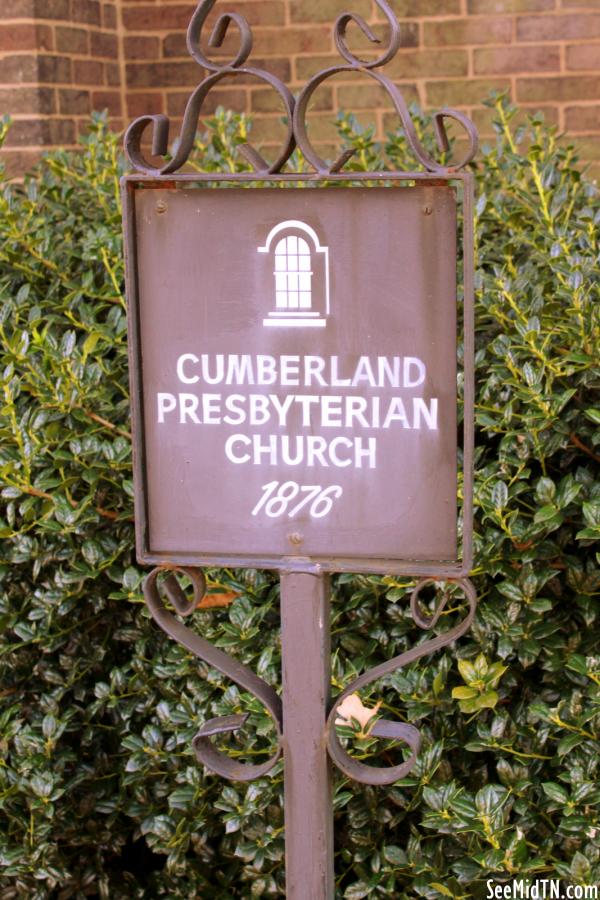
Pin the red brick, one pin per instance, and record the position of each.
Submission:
(88, 71)
(74, 102)
(506, 60)
(109, 15)
(275, 41)
(488, 30)
(112, 74)
(557, 28)
(351, 97)
(50, 9)
(362, 47)
(482, 7)
(161, 74)
(72, 40)
(267, 100)
(144, 104)
(140, 47)
(278, 67)
(581, 4)
(104, 45)
(307, 66)
(435, 63)
(177, 16)
(582, 118)
(560, 89)
(256, 12)
(18, 162)
(174, 45)
(325, 10)
(110, 100)
(363, 96)
(230, 99)
(464, 92)
(86, 11)
(25, 36)
(17, 9)
(414, 8)
(19, 69)
(262, 12)
(33, 132)
(17, 100)
(583, 56)
(54, 69)
(144, 18)
(270, 129)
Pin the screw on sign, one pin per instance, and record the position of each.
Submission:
(295, 406)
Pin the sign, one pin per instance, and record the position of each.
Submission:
(294, 376)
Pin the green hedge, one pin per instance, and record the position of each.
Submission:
(99, 789)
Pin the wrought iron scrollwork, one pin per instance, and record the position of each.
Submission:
(383, 728)
(204, 749)
(366, 67)
(223, 765)
(296, 111)
(160, 123)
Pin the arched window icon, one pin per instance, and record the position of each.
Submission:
(301, 276)
(293, 273)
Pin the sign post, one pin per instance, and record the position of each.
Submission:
(294, 373)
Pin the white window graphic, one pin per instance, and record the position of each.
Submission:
(301, 273)
(293, 273)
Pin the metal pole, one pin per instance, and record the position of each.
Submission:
(306, 671)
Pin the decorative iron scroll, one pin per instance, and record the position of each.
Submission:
(223, 765)
(296, 110)
(383, 728)
(205, 751)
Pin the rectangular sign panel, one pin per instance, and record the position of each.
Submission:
(294, 375)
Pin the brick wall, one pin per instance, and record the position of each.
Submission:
(60, 58)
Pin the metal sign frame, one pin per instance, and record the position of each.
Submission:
(299, 563)
(304, 716)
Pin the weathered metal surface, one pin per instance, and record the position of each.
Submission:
(306, 679)
(356, 417)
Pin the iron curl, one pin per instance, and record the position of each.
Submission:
(339, 36)
(185, 144)
(218, 71)
(217, 37)
(204, 749)
(367, 67)
(401, 107)
(399, 731)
